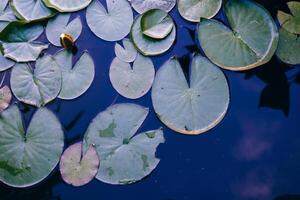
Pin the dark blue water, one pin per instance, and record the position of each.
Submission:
(254, 153)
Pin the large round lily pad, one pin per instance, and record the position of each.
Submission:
(290, 22)
(127, 52)
(125, 158)
(112, 24)
(75, 80)
(6, 14)
(250, 41)
(5, 98)
(194, 10)
(132, 82)
(78, 168)
(142, 6)
(190, 108)
(28, 157)
(36, 86)
(67, 5)
(59, 25)
(149, 46)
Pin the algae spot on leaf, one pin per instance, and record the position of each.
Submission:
(145, 162)
(4, 165)
(109, 131)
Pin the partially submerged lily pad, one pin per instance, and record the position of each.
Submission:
(75, 80)
(142, 6)
(156, 24)
(6, 14)
(112, 24)
(5, 98)
(61, 25)
(190, 108)
(290, 22)
(194, 10)
(36, 86)
(127, 53)
(132, 82)
(250, 41)
(78, 168)
(125, 158)
(28, 157)
(67, 5)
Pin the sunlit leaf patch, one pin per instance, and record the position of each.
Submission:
(142, 6)
(67, 5)
(290, 22)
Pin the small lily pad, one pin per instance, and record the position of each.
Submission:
(112, 24)
(6, 14)
(127, 53)
(5, 98)
(132, 82)
(59, 25)
(28, 157)
(75, 80)
(290, 22)
(149, 46)
(125, 157)
(142, 6)
(77, 169)
(67, 5)
(194, 10)
(156, 24)
(195, 107)
(5, 63)
(36, 86)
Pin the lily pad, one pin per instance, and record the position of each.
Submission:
(6, 14)
(112, 24)
(75, 80)
(36, 86)
(132, 82)
(149, 46)
(77, 169)
(67, 5)
(18, 43)
(5, 98)
(250, 41)
(194, 10)
(290, 22)
(142, 6)
(5, 63)
(288, 50)
(127, 53)
(190, 108)
(125, 157)
(28, 157)
(59, 25)
(31, 10)
(156, 24)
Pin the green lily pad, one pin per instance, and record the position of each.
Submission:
(17, 41)
(31, 10)
(59, 25)
(195, 107)
(194, 10)
(288, 50)
(250, 41)
(67, 5)
(75, 80)
(6, 14)
(156, 24)
(142, 6)
(125, 157)
(127, 53)
(5, 63)
(28, 157)
(132, 82)
(290, 22)
(112, 24)
(77, 168)
(150, 46)
(5, 98)
(36, 86)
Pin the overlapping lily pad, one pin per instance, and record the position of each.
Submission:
(59, 25)
(78, 168)
(6, 14)
(36, 86)
(67, 5)
(5, 63)
(132, 82)
(28, 157)
(142, 6)
(290, 22)
(112, 24)
(125, 157)
(75, 80)
(250, 41)
(195, 107)
(5, 97)
(194, 10)
(127, 53)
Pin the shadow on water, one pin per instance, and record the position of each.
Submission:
(288, 197)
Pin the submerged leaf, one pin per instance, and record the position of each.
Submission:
(290, 22)
(142, 6)
(67, 5)
(5, 98)
(127, 53)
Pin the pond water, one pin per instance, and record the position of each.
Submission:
(254, 153)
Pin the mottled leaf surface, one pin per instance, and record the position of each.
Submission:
(142, 6)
